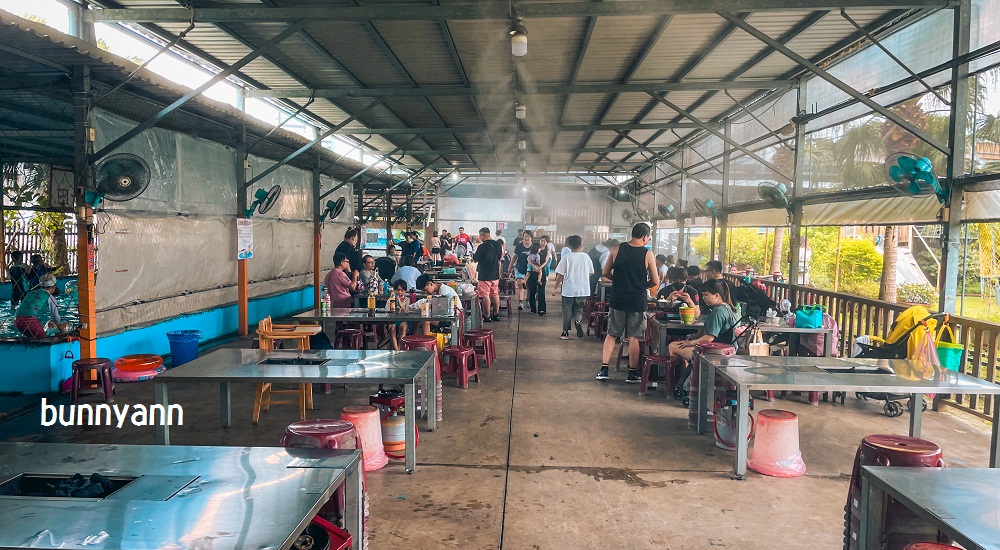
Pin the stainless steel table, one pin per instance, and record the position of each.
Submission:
(821, 374)
(474, 321)
(663, 326)
(358, 316)
(181, 497)
(227, 366)
(960, 502)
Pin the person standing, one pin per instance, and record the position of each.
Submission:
(632, 270)
(19, 278)
(573, 280)
(488, 288)
(435, 248)
(661, 268)
(418, 247)
(531, 277)
(462, 243)
(521, 252)
(406, 247)
(541, 272)
(349, 248)
(341, 281)
(407, 272)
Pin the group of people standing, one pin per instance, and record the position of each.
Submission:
(32, 297)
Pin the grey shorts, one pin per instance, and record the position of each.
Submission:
(631, 324)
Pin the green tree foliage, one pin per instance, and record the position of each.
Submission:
(860, 263)
(746, 246)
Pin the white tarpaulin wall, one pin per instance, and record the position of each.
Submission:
(173, 249)
(477, 210)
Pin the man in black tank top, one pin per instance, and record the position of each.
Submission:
(632, 269)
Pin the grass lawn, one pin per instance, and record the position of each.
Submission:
(976, 307)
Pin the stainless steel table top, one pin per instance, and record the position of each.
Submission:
(354, 315)
(698, 324)
(963, 500)
(186, 497)
(245, 365)
(806, 373)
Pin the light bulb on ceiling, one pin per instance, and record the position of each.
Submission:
(787, 129)
(621, 192)
(454, 176)
(522, 145)
(519, 42)
(525, 189)
(520, 111)
(522, 163)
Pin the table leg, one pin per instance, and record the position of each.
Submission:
(916, 414)
(662, 349)
(354, 515)
(828, 344)
(410, 426)
(454, 331)
(871, 516)
(995, 441)
(225, 404)
(706, 388)
(162, 429)
(431, 395)
(742, 439)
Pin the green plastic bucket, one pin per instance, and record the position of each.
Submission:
(950, 355)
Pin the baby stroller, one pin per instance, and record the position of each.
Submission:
(905, 334)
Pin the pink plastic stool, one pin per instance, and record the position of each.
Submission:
(103, 368)
(324, 434)
(776, 446)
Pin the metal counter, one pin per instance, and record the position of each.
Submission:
(807, 374)
(373, 367)
(960, 502)
(183, 497)
(356, 316)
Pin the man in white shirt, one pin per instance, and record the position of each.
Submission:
(573, 280)
(427, 283)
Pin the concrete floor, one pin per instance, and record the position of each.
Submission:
(539, 455)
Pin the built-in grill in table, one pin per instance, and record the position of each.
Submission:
(146, 497)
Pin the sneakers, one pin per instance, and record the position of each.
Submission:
(579, 330)
(564, 336)
(520, 307)
(487, 319)
(603, 375)
(495, 318)
(633, 377)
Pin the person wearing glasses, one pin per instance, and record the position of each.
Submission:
(632, 270)
(341, 281)
(371, 282)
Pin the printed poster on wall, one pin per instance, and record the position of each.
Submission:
(244, 238)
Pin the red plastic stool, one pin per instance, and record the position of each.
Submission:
(350, 338)
(928, 546)
(421, 341)
(324, 434)
(456, 364)
(669, 365)
(898, 522)
(505, 303)
(103, 368)
(473, 338)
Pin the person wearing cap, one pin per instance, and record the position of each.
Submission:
(38, 310)
(713, 270)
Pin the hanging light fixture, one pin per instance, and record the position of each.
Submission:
(522, 144)
(454, 176)
(522, 163)
(520, 111)
(788, 129)
(518, 39)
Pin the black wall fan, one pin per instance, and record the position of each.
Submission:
(333, 209)
(666, 211)
(119, 177)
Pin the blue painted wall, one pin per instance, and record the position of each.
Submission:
(40, 369)
(5, 286)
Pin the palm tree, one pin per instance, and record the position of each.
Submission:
(776, 246)
(860, 153)
(887, 288)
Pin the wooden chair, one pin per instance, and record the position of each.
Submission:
(268, 333)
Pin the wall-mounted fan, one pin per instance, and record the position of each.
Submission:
(666, 212)
(417, 219)
(373, 215)
(774, 194)
(400, 215)
(119, 177)
(263, 200)
(643, 214)
(627, 216)
(333, 209)
(913, 175)
(703, 207)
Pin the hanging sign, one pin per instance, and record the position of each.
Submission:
(501, 225)
(244, 238)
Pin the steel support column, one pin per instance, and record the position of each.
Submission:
(956, 160)
(681, 237)
(727, 154)
(150, 122)
(795, 235)
(242, 266)
(317, 236)
(87, 304)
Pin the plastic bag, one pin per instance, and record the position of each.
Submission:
(809, 316)
(757, 346)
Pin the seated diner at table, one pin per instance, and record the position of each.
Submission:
(719, 324)
(38, 310)
(339, 284)
(427, 283)
(400, 302)
(678, 293)
(407, 273)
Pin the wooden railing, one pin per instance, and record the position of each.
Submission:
(858, 316)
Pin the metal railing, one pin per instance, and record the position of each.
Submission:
(856, 316)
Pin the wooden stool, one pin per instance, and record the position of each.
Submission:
(268, 333)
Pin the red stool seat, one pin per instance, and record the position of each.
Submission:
(103, 368)
(505, 303)
(422, 341)
(350, 338)
(670, 366)
(460, 362)
(473, 338)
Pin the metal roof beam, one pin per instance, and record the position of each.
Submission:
(540, 89)
(150, 122)
(484, 11)
(484, 129)
(492, 151)
(836, 82)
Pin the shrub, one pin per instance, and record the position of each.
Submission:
(916, 293)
